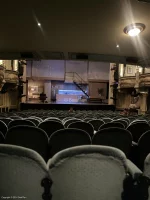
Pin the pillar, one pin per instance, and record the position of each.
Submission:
(143, 102)
(47, 90)
(111, 81)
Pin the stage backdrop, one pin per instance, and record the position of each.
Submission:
(80, 67)
(48, 69)
(98, 70)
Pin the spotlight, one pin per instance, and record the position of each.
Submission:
(134, 29)
(39, 24)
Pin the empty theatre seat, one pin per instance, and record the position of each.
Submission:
(53, 119)
(143, 192)
(22, 172)
(96, 123)
(70, 121)
(115, 137)
(29, 137)
(111, 124)
(6, 120)
(3, 128)
(18, 122)
(92, 172)
(137, 129)
(83, 126)
(88, 119)
(1, 138)
(34, 120)
(50, 126)
(122, 121)
(66, 138)
(107, 120)
(143, 148)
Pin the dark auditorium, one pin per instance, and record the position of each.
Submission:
(75, 100)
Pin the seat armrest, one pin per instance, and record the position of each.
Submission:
(134, 171)
(134, 143)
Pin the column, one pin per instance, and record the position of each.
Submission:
(23, 99)
(47, 90)
(111, 81)
(143, 102)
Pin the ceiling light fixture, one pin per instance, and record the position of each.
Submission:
(117, 45)
(134, 29)
(39, 24)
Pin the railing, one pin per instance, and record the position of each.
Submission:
(75, 77)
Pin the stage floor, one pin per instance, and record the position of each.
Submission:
(66, 106)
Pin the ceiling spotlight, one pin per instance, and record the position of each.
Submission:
(39, 24)
(117, 45)
(134, 29)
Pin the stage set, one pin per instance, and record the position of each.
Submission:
(72, 96)
(66, 106)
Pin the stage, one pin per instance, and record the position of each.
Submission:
(66, 106)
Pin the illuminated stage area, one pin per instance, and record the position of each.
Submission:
(66, 106)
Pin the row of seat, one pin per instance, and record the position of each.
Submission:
(85, 172)
(36, 139)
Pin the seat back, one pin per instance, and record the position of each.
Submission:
(22, 171)
(19, 122)
(106, 120)
(6, 120)
(96, 123)
(1, 138)
(29, 137)
(137, 129)
(88, 172)
(70, 121)
(34, 120)
(66, 138)
(122, 121)
(50, 126)
(83, 126)
(114, 137)
(112, 124)
(143, 148)
(3, 128)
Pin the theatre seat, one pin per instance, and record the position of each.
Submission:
(50, 126)
(111, 124)
(22, 172)
(19, 122)
(137, 129)
(83, 126)
(92, 172)
(96, 123)
(3, 128)
(114, 137)
(29, 137)
(143, 192)
(65, 138)
(1, 138)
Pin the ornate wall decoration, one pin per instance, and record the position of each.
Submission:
(11, 76)
(1, 76)
(127, 82)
